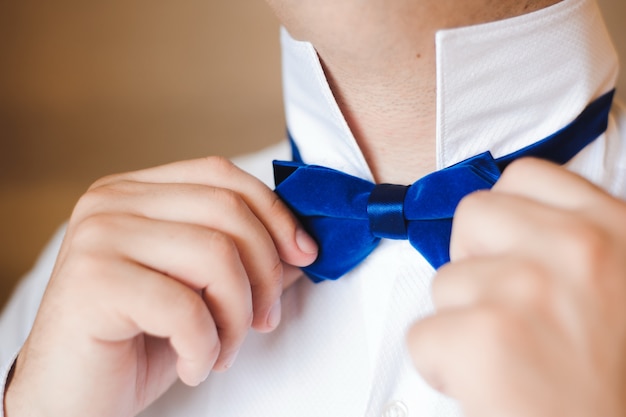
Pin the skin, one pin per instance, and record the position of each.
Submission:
(391, 106)
(161, 275)
(156, 270)
(531, 319)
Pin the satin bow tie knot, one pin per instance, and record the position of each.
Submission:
(348, 216)
(385, 209)
(391, 208)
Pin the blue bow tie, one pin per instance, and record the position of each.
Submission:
(348, 216)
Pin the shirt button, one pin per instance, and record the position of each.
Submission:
(396, 409)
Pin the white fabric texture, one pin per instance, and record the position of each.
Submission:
(340, 350)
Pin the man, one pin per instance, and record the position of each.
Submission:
(161, 272)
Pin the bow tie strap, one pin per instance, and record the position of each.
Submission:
(348, 216)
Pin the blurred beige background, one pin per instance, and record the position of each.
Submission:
(91, 88)
(88, 89)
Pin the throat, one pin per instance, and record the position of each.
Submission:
(400, 161)
(397, 141)
(393, 124)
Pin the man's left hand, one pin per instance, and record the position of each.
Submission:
(531, 312)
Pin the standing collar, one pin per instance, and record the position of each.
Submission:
(500, 86)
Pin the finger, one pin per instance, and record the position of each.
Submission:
(453, 350)
(215, 208)
(139, 300)
(487, 224)
(439, 347)
(548, 184)
(294, 245)
(508, 279)
(200, 258)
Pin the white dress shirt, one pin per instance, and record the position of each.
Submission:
(340, 350)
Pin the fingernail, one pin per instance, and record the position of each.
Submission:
(305, 242)
(273, 318)
(205, 376)
(231, 359)
(202, 378)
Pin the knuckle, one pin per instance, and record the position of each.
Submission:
(222, 246)
(276, 207)
(108, 179)
(587, 246)
(280, 219)
(495, 327)
(528, 280)
(196, 308)
(275, 274)
(514, 170)
(95, 198)
(219, 164)
(188, 308)
(519, 168)
(229, 198)
(87, 202)
(92, 229)
(472, 203)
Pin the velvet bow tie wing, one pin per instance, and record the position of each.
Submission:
(332, 207)
(430, 204)
(348, 216)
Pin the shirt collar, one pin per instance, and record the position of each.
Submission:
(500, 86)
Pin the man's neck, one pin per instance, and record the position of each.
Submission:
(387, 92)
(391, 117)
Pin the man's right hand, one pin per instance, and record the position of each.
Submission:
(161, 275)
